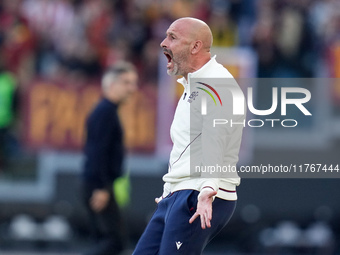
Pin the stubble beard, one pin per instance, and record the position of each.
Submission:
(178, 68)
(174, 70)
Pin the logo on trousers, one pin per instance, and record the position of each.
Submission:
(178, 244)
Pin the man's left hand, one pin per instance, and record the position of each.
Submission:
(204, 207)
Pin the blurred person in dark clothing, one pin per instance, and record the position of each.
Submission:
(104, 151)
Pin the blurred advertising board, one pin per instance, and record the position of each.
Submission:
(55, 115)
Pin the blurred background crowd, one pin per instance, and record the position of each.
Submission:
(73, 41)
(77, 39)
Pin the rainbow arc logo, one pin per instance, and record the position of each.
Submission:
(209, 93)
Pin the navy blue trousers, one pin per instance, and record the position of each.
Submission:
(169, 231)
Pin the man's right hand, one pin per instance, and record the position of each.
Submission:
(204, 207)
(99, 199)
(158, 199)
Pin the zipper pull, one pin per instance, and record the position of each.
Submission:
(185, 94)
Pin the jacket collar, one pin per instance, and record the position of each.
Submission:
(198, 73)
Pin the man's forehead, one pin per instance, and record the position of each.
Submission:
(171, 30)
(176, 28)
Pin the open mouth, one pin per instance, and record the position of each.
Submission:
(169, 57)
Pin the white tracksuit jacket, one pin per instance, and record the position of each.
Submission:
(197, 144)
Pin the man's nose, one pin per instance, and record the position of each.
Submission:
(163, 45)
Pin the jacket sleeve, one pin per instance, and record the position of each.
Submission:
(101, 131)
(221, 139)
(166, 189)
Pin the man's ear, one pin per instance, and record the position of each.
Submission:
(196, 47)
